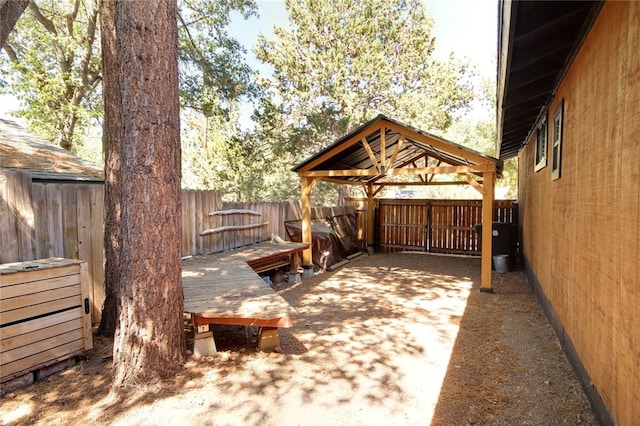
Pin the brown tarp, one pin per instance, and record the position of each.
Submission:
(332, 238)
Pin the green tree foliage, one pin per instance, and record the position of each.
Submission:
(216, 157)
(480, 135)
(53, 64)
(56, 71)
(213, 73)
(340, 63)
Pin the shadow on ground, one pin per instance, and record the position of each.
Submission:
(401, 339)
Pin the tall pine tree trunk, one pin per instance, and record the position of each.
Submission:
(111, 146)
(143, 188)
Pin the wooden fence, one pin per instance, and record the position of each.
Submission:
(42, 220)
(434, 226)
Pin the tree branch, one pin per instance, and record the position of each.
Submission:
(65, 67)
(45, 22)
(89, 40)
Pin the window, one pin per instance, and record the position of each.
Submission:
(541, 146)
(556, 149)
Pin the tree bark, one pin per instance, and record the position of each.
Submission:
(10, 11)
(140, 62)
(111, 147)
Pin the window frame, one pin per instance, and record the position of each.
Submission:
(542, 137)
(556, 141)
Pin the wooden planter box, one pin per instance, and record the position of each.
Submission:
(44, 314)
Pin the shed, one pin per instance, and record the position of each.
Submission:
(385, 152)
(21, 150)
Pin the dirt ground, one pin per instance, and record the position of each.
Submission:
(394, 339)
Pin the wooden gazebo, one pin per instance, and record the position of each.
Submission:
(384, 152)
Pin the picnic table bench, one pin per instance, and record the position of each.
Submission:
(225, 288)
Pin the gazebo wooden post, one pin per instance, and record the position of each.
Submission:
(487, 231)
(370, 218)
(307, 185)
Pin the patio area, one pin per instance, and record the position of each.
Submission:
(403, 339)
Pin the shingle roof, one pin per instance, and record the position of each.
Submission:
(348, 153)
(21, 150)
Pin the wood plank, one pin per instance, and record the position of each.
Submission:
(192, 229)
(8, 237)
(37, 336)
(39, 200)
(397, 150)
(70, 222)
(97, 253)
(232, 228)
(199, 219)
(25, 219)
(383, 148)
(224, 286)
(40, 309)
(30, 287)
(487, 238)
(43, 322)
(85, 291)
(26, 351)
(32, 300)
(185, 227)
(83, 214)
(42, 358)
(235, 211)
(284, 322)
(54, 220)
(370, 153)
(59, 268)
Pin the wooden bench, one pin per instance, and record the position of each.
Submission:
(225, 289)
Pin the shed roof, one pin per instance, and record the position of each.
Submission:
(21, 150)
(537, 42)
(350, 160)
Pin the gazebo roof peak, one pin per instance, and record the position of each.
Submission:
(382, 144)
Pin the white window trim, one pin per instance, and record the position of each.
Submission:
(542, 146)
(556, 141)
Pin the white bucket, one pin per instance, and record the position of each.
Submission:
(501, 263)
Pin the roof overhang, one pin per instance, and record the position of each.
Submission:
(383, 148)
(537, 41)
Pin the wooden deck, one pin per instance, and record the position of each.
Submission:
(224, 289)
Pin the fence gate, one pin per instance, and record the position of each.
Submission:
(435, 226)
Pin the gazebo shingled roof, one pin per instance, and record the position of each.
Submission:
(350, 153)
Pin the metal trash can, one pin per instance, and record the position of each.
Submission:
(501, 263)
(503, 243)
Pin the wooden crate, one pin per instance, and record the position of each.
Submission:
(44, 314)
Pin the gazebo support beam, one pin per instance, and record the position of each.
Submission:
(370, 217)
(487, 234)
(307, 185)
